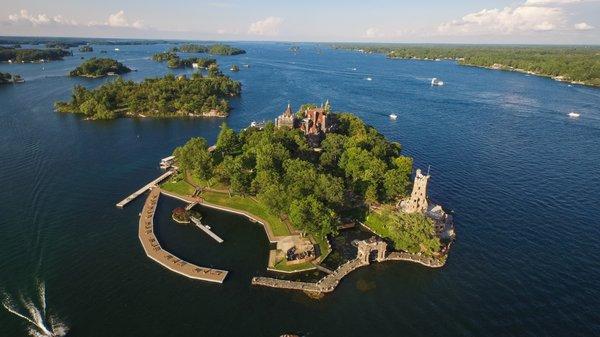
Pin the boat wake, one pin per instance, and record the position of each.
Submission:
(39, 322)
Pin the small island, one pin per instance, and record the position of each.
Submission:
(86, 49)
(215, 49)
(7, 78)
(174, 61)
(99, 67)
(168, 96)
(18, 55)
(306, 178)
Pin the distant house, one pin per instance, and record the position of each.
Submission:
(195, 65)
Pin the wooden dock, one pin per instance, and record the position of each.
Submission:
(206, 230)
(154, 250)
(139, 192)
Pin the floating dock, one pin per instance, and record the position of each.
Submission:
(154, 250)
(139, 192)
(206, 230)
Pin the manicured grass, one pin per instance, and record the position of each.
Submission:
(284, 266)
(377, 222)
(323, 247)
(178, 186)
(249, 205)
(205, 183)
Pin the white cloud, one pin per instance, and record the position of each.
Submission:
(120, 20)
(39, 19)
(583, 26)
(373, 32)
(268, 27)
(527, 17)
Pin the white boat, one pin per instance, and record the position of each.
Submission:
(116, 49)
(436, 82)
(368, 79)
(393, 116)
(574, 114)
(353, 69)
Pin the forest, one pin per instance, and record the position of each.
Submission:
(31, 55)
(355, 169)
(98, 67)
(569, 63)
(167, 96)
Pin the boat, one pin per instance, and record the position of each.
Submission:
(117, 49)
(368, 79)
(246, 66)
(574, 114)
(393, 116)
(436, 82)
(353, 69)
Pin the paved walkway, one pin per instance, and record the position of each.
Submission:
(154, 250)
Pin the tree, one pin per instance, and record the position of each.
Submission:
(227, 141)
(397, 179)
(311, 216)
(194, 157)
(333, 147)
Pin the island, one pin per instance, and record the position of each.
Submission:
(306, 178)
(99, 67)
(18, 55)
(574, 64)
(174, 61)
(215, 49)
(168, 96)
(86, 49)
(7, 78)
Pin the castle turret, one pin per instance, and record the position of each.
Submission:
(418, 197)
(287, 119)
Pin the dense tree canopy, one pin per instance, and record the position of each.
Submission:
(31, 55)
(154, 97)
(98, 67)
(355, 167)
(572, 63)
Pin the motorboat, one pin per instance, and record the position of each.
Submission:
(436, 82)
(393, 116)
(574, 114)
(368, 79)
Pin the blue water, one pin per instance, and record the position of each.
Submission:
(521, 177)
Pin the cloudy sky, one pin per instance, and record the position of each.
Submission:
(483, 21)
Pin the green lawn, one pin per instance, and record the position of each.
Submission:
(324, 247)
(250, 206)
(178, 186)
(205, 183)
(283, 266)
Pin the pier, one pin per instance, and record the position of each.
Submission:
(206, 230)
(139, 192)
(154, 250)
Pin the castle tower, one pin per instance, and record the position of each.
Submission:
(418, 197)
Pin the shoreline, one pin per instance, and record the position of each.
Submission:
(502, 67)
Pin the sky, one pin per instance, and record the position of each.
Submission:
(456, 21)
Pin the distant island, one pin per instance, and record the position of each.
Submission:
(62, 44)
(86, 49)
(99, 67)
(7, 78)
(215, 49)
(18, 55)
(313, 173)
(579, 65)
(174, 61)
(168, 96)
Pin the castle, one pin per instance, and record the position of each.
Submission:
(418, 197)
(314, 121)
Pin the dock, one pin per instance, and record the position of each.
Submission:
(139, 192)
(155, 251)
(206, 230)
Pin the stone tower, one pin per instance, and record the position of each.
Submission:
(418, 197)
